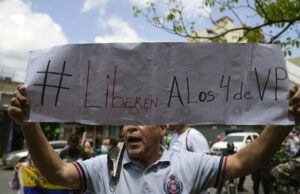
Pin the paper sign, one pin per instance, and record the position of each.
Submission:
(159, 83)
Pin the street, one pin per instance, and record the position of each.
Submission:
(5, 177)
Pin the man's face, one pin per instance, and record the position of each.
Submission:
(106, 142)
(142, 141)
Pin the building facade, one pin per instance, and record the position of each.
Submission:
(8, 130)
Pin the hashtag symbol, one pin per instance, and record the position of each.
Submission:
(59, 87)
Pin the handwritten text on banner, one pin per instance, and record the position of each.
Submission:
(159, 83)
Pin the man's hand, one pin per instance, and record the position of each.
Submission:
(44, 156)
(19, 105)
(294, 102)
(16, 168)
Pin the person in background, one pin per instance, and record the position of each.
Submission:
(219, 138)
(110, 142)
(87, 148)
(187, 138)
(73, 152)
(14, 184)
(241, 184)
(263, 176)
(48, 132)
(294, 144)
(57, 133)
(288, 173)
(295, 136)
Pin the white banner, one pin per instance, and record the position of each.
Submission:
(159, 83)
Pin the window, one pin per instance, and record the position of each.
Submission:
(58, 145)
(233, 138)
(248, 139)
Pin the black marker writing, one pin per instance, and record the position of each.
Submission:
(188, 91)
(225, 86)
(261, 94)
(178, 93)
(44, 85)
(277, 78)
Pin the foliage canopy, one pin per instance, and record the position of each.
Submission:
(272, 21)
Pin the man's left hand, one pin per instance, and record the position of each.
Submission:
(294, 102)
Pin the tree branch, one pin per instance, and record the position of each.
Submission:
(264, 12)
(281, 32)
(248, 29)
(236, 15)
(188, 33)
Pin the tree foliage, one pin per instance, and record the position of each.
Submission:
(272, 21)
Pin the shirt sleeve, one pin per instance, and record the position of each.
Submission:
(204, 171)
(91, 173)
(213, 168)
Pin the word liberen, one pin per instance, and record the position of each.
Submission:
(119, 101)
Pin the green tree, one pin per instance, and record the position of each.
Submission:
(276, 21)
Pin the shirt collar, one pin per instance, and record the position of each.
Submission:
(165, 158)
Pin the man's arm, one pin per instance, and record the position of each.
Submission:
(45, 158)
(263, 148)
(257, 153)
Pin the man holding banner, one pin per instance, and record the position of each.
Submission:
(146, 86)
(145, 166)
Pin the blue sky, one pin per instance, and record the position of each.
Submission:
(35, 24)
(82, 21)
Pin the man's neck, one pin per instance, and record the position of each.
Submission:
(150, 159)
(182, 130)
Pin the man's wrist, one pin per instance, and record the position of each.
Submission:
(28, 124)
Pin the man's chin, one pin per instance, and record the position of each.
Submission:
(135, 153)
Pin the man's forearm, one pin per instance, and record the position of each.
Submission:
(43, 155)
(259, 151)
(45, 158)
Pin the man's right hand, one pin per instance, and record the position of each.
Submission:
(19, 105)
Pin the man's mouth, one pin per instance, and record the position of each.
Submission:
(134, 140)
